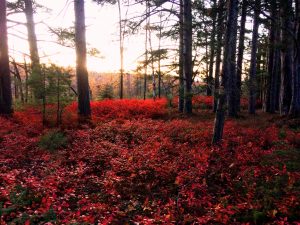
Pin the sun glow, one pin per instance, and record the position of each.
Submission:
(102, 33)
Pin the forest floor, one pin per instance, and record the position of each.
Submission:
(139, 162)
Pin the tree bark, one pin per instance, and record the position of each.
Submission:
(286, 13)
(187, 50)
(271, 56)
(295, 106)
(5, 80)
(26, 80)
(240, 54)
(212, 51)
(84, 108)
(159, 57)
(227, 71)
(18, 80)
(231, 77)
(181, 55)
(32, 40)
(253, 62)
(152, 63)
(146, 51)
(121, 51)
(220, 34)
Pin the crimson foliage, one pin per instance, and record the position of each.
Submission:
(132, 166)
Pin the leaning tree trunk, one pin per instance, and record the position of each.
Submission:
(253, 67)
(5, 80)
(295, 106)
(228, 67)
(240, 54)
(84, 108)
(187, 50)
(286, 14)
(220, 33)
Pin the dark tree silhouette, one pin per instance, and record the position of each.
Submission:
(84, 108)
(5, 82)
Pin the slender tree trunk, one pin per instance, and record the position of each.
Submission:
(181, 55)
(16, 86)
(19, 80)
(220, 34)
(26, 80)
(152, 64)
(277, 78)
(146, 51)
(228, 66)
(58, 117)
(286, 56)
(206, 57)
(44, 119)
(32, 40)
(241, 49)
(121, 51)
(188, 66)
(5, 80)
(212, 51)
(253, 62)
(295, 106)
(159, 57)
(84, 108)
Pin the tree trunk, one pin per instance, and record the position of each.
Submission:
(270, 106)
(5, 80)
(220, 33)
(26, 80)
(152, 63)
(295, 106)
(58, 106)
(146, 52)
(19, 80)
(212, 51)
(84, 108)
(240, 56)
(231, 77)
(286, 14)
(228, 67)
(181, 80)
(253, 66)
(187, 50)
(121, 50)
(159, 58)
(32, 40)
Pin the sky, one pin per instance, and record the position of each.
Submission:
(102, 33)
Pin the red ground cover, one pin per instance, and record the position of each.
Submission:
(136, 165)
